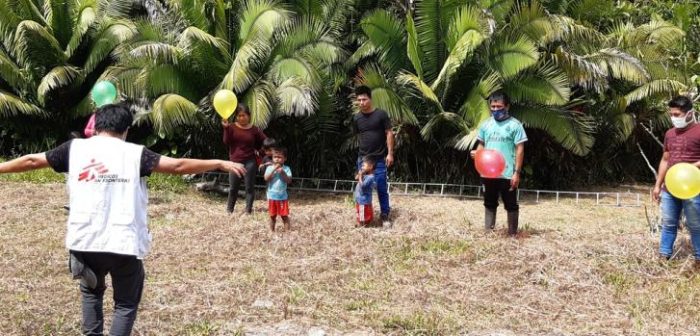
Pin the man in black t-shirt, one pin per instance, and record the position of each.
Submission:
(376, 138)
(95, 232)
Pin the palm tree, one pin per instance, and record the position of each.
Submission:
(51, 54)
(457, 54)
(277, 58)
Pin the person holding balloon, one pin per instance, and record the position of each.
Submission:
(243, 141)
(102, 93)
(678, 182)
(499, 160)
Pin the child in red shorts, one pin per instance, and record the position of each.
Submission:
(363, 192)
(277, 176)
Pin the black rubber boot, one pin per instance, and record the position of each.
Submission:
(513, 222)
(489, 219)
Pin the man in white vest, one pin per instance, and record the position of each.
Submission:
(107, 225)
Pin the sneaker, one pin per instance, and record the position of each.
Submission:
(81, 271)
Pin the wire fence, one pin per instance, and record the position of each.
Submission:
(603, 198)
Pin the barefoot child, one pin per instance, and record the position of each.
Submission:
(277, 176)
(363, 192)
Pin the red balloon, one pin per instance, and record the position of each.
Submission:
(489, 163)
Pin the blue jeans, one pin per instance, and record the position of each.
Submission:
(670, 216)
(382, 184)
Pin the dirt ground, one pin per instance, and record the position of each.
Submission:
(574, 269)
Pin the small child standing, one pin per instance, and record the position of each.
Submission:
(363, 192)
(277, 176)
(268, 145)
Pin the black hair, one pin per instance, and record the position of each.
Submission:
(242, 108)
(269, 143)
(363, 90)
(280, 150)
(500, 96)
(369, 160)
(115, 118)
(681, 102)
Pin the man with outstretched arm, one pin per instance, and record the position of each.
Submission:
(107, 225)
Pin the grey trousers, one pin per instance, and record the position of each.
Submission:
(127, 275)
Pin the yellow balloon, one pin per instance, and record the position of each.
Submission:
(683, 180)
(225, 103)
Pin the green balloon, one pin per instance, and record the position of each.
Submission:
(103, 93)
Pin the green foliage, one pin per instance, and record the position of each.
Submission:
(167, 182)
(588, 78)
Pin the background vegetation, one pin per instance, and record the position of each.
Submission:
(589, 77)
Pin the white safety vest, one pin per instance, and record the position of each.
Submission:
(108, 198)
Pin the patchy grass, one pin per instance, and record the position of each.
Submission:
(575, 269)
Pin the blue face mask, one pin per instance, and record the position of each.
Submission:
(500, 115)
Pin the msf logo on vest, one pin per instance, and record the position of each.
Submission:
(98, 172)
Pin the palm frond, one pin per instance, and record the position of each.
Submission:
(439, 121)
(657, 32)
(573, 33)
(193, 37)
(295, 97)
(460, 53)
(508, 58)
(466, 140)
(655, 88)
(11, 73)
(385, 96)
(110, 35)
(424, 91)
(261, 17)
(529, 18)
(11, 105)
(59, 18)
(8, 20)
(413, 50)
(36, 48)
(59, 77)
(242, 72)
(432, 23)
(580, 70)
(475, 108)
(127, 79)
(620, 65)
(85, 19)
(365, 50)
(116, 8)
(170, 112)
(157, 80)
(294, 67)
(157, 53)
(192, 11)
(29, 10)
(260, 99)
(388, 35)
(571, 131)
(545, 85)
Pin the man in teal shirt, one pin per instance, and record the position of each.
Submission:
(503, 133)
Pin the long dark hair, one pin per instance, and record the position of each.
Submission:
(241, 108)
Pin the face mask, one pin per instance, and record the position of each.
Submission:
(682, 122)
(500, 115)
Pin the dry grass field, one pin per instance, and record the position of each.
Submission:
(575, 269)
